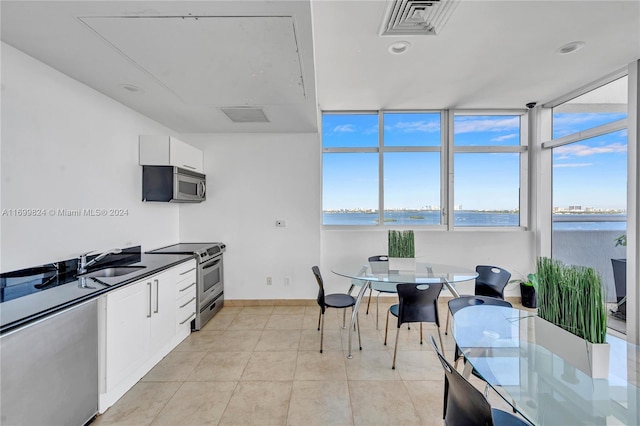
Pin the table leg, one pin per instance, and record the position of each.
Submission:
(354, 315)
(451, 288)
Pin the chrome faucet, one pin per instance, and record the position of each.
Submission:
(83, 265)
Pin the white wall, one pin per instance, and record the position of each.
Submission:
(66, 146)
(253, 180)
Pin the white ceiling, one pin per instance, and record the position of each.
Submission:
(293, 57)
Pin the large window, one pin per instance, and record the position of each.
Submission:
(487, 170)
(393, 168)
(589, 179)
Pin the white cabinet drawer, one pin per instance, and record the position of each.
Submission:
(184, 269)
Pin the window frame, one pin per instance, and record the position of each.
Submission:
(522, 149)
(447, 151)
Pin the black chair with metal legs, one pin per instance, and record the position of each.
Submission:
(335, 300)
(490, 282)
(379, 263)
(464, 405)
(418, 303)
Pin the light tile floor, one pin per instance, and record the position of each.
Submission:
(262, 366)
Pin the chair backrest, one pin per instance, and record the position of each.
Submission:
(379, 264)
(465, 404)
(465, 301)
(379, 258)
(491, 281)
(418, 303)
(320, 299)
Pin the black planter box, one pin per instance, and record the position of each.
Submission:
(529, 299)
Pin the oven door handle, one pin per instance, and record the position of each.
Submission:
(212, 265)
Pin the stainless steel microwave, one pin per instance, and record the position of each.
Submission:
(173, 184)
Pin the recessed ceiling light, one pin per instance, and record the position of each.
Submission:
(131, 88)
(570, 47)
(399, 47)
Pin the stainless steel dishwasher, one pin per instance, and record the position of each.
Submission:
(49, 369)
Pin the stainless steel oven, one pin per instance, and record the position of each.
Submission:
(209, 277)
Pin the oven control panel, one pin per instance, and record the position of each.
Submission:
(211, 252)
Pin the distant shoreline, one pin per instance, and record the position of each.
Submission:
(604, 212)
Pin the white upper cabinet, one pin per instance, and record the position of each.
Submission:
(169, 151)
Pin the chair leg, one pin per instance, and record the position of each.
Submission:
(440, 336)
(321, 333)
(444, 403)
(377, 307)
(386, 329)
(421, 334)
(446, 327)
(395, 350)
(319, 316)
(358, 325)
(369, 301)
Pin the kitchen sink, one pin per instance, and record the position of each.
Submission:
(115, 271)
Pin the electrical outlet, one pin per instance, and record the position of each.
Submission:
(287, 280)
(269, 280)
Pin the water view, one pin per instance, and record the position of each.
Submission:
(592, 222)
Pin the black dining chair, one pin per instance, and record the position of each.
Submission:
(379, 263)
(418, 303)
(335, 300)
(491, 282)
(464, 405)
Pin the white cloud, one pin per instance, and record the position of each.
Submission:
(579, 150)
(504, 137)
(473, 124)
(345, 128)
(415, 126)
(561, 165)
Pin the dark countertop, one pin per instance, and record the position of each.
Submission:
(18, 312)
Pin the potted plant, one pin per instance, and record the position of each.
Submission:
(401, 246)
(528, 291)
(620, 280)
(572, 315)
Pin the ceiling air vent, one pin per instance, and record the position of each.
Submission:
(245, 114)
(412, 17)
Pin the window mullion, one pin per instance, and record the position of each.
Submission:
(380, 168)
(448, 183)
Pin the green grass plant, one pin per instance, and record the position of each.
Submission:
(401, 244)
(571, 297)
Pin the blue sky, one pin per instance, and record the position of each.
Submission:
(590, 173)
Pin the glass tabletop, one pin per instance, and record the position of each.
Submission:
(420, 272)
(500, 343)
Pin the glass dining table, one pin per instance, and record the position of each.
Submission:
(385, 279)
(502, 346)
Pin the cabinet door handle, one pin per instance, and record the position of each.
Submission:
(157, 295)
(189, 167)
(149, 314)
(192, 299)
(188, 287)
(186, 272)
(190, 316)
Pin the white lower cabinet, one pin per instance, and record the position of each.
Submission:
(138, 327)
